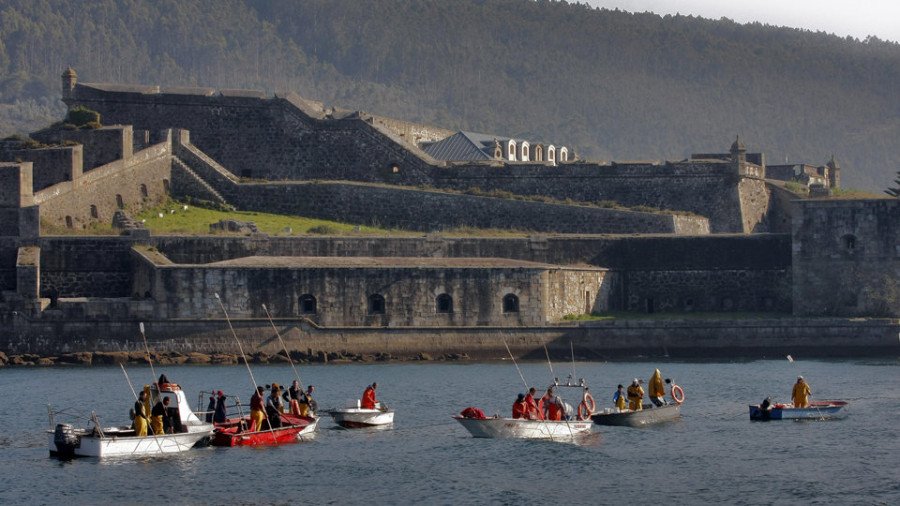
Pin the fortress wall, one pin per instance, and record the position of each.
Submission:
(104, 145)
(138, 182)
(342, 293)
(754, 200)
(846, 257)
(50, 165)
(705, 188)
(9, 250)
(427, 210)
(276, 140)
(86, 267)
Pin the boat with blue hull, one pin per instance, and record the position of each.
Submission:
(819, 410)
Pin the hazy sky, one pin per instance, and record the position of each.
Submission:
(856, 18)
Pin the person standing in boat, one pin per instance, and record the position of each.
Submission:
(307, 403)
(635, 396)
(368, 398)
(140, 416)
(553, 405)
(257, 409)
(211, 409)
(520, 407)
(274, 407)
(293, 395)
(221, 411)
(533, 413)
(621, 398)
(800, 394)
(159, 417)
(657, 390)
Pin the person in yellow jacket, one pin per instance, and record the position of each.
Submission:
(657, 390)
(800, 394)
(635, 396)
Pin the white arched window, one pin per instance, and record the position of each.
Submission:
(539, 153)
(563, 154)
(551, 154)
(524, 151)
(511, 150)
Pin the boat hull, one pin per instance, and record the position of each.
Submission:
(354, 418)
(640, 418)
(121, 442)
(818, 410)
(294, 427)
(520, 428)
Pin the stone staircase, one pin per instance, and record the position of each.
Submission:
(186, 182)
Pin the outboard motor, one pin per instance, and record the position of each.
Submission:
(65, 440)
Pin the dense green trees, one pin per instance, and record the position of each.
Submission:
(612, 85)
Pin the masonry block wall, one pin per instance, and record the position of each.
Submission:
(276, 140)
(142, 180)
(846, 257)
(50, 165)
(104, 145)
(86, 267)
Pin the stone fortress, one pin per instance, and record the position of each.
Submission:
(730, 238)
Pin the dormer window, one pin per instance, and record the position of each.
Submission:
(524, 151)
(511, 150)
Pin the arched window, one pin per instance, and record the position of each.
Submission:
(510, 303)
(119, 202)
(443, 303)
(376, 304)
(564, 154)
(524, 151)
(849, 242)
(511, 150)
(551, 154)
(307, 304)
(539, 153)
(69, 222)
(166, 186)
(94, 213)
(144, 191)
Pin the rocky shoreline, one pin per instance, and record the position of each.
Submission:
(175, 358)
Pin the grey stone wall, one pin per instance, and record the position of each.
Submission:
(104, 145)
(49, 165)
(275, 139)
(142, 180)
(846, 257)
(86, 267)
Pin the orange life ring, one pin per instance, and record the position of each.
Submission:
(677, 394)
(586, 407)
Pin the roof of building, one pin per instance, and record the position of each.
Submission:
(463, 146)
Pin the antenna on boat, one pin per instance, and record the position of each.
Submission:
(283, 346)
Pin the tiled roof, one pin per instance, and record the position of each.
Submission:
(463, 146)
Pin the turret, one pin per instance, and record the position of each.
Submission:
(69, 78)
(834, 173)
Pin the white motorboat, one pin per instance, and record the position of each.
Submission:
(356, 417)
(523, 428)
(68, 441)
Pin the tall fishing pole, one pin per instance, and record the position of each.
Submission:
(283, 346)
(147, 349)
(514, 363)
(244, 357)
(158, 444)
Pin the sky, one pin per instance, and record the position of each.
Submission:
(856, 18)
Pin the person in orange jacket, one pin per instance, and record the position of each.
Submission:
(368, 398)
(533, 412)
(520, 407)
(553, 405)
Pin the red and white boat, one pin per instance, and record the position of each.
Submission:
(235, 431)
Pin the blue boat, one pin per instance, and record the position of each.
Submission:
(819, 410)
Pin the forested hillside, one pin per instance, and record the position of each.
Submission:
(612, 85)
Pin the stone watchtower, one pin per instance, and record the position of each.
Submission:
(738, 156)
(834, 173)
(69, 78)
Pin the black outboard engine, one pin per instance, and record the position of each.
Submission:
(65, 440)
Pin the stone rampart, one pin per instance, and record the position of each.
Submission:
(102, 146)
(49, 165)
(846, 257)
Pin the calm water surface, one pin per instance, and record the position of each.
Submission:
(714, 454)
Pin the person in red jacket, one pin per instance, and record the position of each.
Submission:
(368, 398)
(520, 408)
(533, 412)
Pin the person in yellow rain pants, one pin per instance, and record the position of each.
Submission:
(157, 415)
(621, 399)
(657, 390)
(800, 394)
(257, 410)
(635, 396)
(140, 416)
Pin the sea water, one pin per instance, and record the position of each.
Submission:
(714, 454)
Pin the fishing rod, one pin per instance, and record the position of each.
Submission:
(147, 349)
(243, 356)
(147, 421)
(283, 346)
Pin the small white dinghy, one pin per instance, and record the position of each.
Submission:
(354, 417)
(523, 428)
(68, 441)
